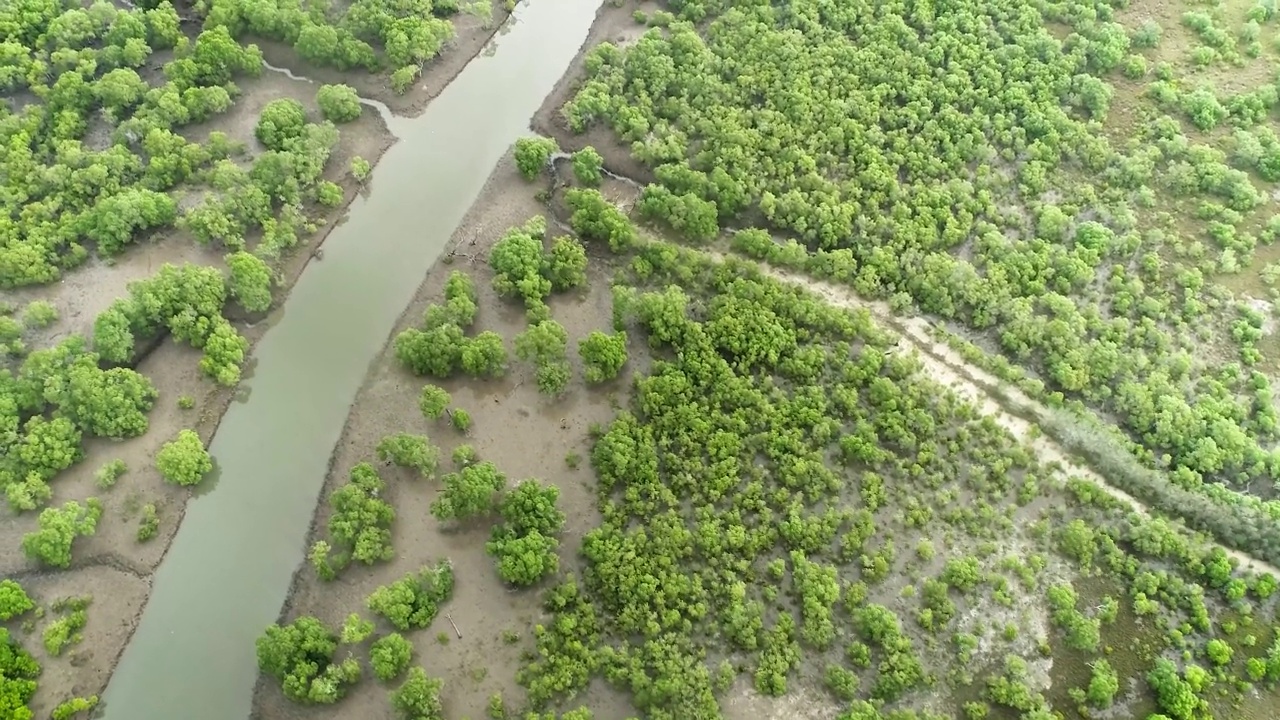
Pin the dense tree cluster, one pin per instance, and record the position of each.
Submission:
(58, 396)
(972, 126)
(370, 34)
(469, 493)
(185, 302)
(58, 530)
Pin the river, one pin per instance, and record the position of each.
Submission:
(227, 573)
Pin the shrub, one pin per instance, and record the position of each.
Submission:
(533, 154)
(390, 655)
(339, 103)
(184, 461)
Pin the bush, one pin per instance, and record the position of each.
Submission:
(13, 600)
(39, 314)
(184, 461)
(250, 281)
(603, 355)
(339, 103)
(300, 656)
(533, 154)
(361, 521)
(419, 697)
(587, 165)
(412, 451)
(390, 655)
(58, 529)
(470, 492)
(413, 601)
(281, 120)
(524, 559)
(433, 401)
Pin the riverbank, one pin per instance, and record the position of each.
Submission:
(112, 566)
(522, 432)
(615, 24)
(472, 35)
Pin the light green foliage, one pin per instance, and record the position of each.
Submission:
(14, 601)
(1103, 684)
(603, 355)
(566, 265)
(1218, 652)
(18, 673)
(281, 121)
(329, 194)
(183, 460)
(413, 601)
(542, 342)
(418, 698)
(64, 630)
(68, 709)
(411, 451)
(404, 78)
(595, 218)
(58, 529)
(525, 559)
(470, 492)
(517, 262)
(39, 314)
(300, 656)
(525, 545)
(149, 523)
(390, 655)
(360, 526)
(339, 103)
(441, 347)
(545, 344)
(587, 165)
(355, 630)
(532, 155)
(360, 169)
(461, 420)
(433, 401)
(250, 281)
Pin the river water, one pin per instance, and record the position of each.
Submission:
(226, 576)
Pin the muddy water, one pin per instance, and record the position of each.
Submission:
(227, 573)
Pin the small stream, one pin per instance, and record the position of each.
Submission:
(227, 573)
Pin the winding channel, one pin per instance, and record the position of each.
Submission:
(227, 573)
